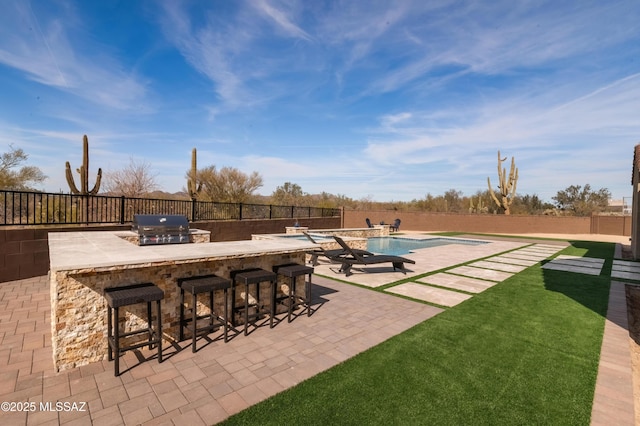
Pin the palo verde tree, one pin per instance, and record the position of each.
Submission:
(506, 185)
(289, 194)
(228, 185)
(582, 201)
(22, 178)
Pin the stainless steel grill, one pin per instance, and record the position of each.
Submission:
(161, 229)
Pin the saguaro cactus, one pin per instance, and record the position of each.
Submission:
(193, 186)
(507, 185)
(476, 208)
(84, 173)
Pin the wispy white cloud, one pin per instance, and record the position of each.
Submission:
(44, 48)
(452, 40)
(557, 144)
(232, 53)
(519, 121)
(30, 48)
(360, 27)
(280, 18)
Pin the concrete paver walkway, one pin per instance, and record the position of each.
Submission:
(482, 273)
(613, 402)
(435, 295)
(427, 260)
(625, 269)
(457, 282)
(474, 277)
(498, 266)
(581, 265)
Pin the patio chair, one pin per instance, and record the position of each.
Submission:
(353, 258)
(329, 254)
(368, 223)
(396, 226)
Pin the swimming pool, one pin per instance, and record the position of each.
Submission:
(400, 246)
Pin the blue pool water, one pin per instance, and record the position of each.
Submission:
(393, 245)
(400, 246)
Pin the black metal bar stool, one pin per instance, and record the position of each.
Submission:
(249, 277)
(195, 286)
(118, 297)
(292, 271)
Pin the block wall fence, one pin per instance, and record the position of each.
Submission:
(24, 252)
(489, 224)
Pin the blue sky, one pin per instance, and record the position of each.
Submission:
(384, 99)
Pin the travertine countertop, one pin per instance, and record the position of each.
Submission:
(105, 249)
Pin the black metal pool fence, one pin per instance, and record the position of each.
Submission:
(41, 208)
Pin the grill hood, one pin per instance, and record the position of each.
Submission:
(161, 229)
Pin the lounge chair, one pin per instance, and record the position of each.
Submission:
(396, 226)
(353, 258)
(330, 254)
(368, 223)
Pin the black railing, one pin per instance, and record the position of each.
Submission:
(41, 208)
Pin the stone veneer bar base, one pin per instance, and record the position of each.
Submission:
(78, 311)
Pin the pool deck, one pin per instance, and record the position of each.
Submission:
(427, 260)
(223, 379)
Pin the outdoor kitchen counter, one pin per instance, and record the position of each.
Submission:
(83, 264)
(100, 250)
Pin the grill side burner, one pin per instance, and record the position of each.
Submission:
(153, 229)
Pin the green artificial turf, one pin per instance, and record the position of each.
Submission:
(523, 352)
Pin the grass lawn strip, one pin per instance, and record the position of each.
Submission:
(522, 352)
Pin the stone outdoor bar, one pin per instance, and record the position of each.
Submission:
(83, 264)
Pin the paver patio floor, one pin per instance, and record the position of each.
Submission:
(202, 388)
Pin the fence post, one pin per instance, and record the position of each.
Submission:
(292, 211)
(85, 213)
(240, 211)
(193, 209)
(122, 201)
(270, 211)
